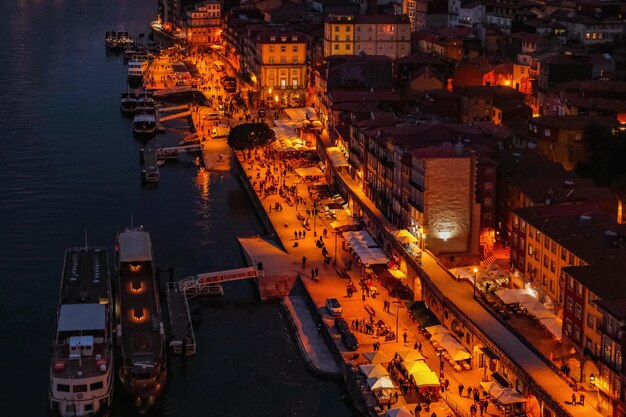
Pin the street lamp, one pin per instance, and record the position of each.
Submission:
(475, 278)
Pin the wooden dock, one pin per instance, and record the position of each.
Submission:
(183, 338)
(150, 165)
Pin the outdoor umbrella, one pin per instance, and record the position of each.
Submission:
(492, 388)
(410, 355)
(373, 371)
(510, 396)
(514, 296)
(446, 339)
(401, 411)
(538, 310)
(460, 354)
(434, 330)
(376, 357)
(554, 326)
(382, 383)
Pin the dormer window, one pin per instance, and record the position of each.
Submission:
(294, 38)
(273, 38)
(283, 39)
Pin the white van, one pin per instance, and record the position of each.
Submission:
(220, 132)
(213, 115)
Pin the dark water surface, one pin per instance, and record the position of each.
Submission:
(69, 162)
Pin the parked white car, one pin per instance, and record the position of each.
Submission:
(334, 307)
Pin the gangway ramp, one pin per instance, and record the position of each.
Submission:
(174, 116)
(209, 282)
(183, 338)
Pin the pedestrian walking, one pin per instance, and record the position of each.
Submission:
(404, 336)
(461, 387)
(582, 399)
(325, 232)
(573, 398)
(469, 392)
(295, 235)
(419, 347)
(303, 262)
(415, 345)
(304, 234)
(313, 274)
(317, 273)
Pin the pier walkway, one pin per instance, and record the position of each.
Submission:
(183, 338)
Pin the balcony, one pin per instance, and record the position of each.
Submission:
(418, 186)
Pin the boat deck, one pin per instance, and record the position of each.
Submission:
(84, 311)
(183, 337)
(140, 314)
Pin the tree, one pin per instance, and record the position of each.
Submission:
(250, 135)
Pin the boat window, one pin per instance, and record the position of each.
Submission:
(80, 388)
(63, 388)
(88, 407)
(95, 386)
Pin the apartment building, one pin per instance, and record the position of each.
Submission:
(388, 35)
(594, 313)
(204, 24)
(279, 66)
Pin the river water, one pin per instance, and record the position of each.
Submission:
(69, 163)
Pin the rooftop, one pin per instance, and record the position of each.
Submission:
(571, 122)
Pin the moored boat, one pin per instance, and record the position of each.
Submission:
(144, 124)
(136, 69)
(128, 103)
(81, 376)
(140, 328)
(110, 40)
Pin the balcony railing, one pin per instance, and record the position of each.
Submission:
(417, 185)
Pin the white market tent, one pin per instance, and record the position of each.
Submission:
(379, 384)
(410, 355)
(336, 157)
(401, 411)
(309, 172)
(460, 354)
(362, 236)
(515, 296)
(373, 370)
(426, 379)
(366, 248)
(376, 357)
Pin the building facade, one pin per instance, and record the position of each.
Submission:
(388, 35)
(204, 24)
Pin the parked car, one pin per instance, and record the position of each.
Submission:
(333, 306)
(349, 341)
(341, 325)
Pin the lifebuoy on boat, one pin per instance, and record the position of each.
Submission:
(79, 396)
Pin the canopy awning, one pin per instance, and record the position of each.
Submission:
(490, 353)
(396, 273)
(426, 379)
(309, 172)
(336, 157)
(410, 355)
(81, 317)
(438, 329)
(416, 367)
(401, 411)
(404, 236)
(376, 357)
(382, 383)
(554, 326)
(514, 296)
(347, 221)
(510, 396)
(134, 246)
(373, 370)
(492, 388)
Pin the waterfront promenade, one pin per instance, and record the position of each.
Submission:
(330, 284)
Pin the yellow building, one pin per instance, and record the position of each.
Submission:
(279, 68)
(388, 35)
